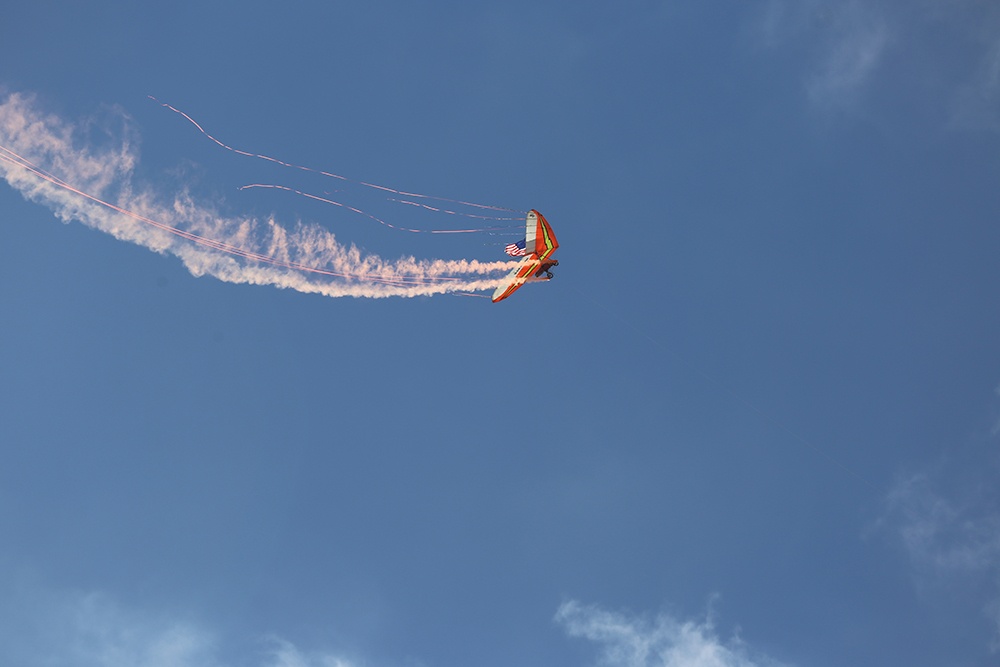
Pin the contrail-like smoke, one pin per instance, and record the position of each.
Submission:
(46, 159)
(374, 186)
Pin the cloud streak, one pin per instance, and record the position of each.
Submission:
(846, 42)
(947, 520)
(39, 627)
(49, 161)
(91, 630)
(286, 654)
(976, 102)
(941, 534)
(630, 641)
(945, 53)
(858, 42)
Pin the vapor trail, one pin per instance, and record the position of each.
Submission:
(352, 209)
(96, 187)
(374, 186)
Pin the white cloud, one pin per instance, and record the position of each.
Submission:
(947, 521)
(41, 629)
(977, 101)
(942, 534)
(104, 636)
(857, 42)
(51, 162)
(946, 52)
(287, 655)
(664, 641)
(780, 19)
(993, 613)
(842, 43)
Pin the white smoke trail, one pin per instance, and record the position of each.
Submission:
(48, 161)
(374, 186)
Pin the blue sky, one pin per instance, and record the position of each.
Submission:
(753, 421)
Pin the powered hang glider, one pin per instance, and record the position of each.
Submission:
(539, 244)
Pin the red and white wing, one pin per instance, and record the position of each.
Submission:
(526, 269)
(540, 238)
(540, 242)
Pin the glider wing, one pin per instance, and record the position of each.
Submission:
(540, 236)
(526, 269)
(540, 242)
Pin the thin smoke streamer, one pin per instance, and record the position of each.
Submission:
(374, 186)
(352, 209)
(358, 211)
(48, 161)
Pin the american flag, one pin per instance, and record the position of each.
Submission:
(516, 249)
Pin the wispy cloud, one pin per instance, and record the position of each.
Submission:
(103, 635)
(945, 535)
(51, 162)
(857, 39)
(947, 520)
(91, 630)
(843, 44)
(39, 627)
(663, 641)
(285, 654)
(779, 20)
(948, 53)
(978, 99)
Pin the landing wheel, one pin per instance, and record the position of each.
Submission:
(548, 274)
